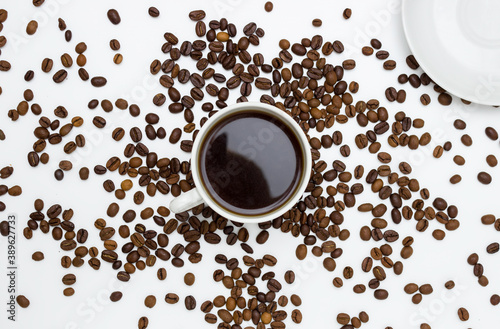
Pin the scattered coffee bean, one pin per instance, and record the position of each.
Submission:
(171, 298)
(463, 314)
(116, 296)
(449, 285)
(455, 179)
(38, 256)
(143, 323)
(32, 27)
(98, 81)
(114, 16)
(459, 124)
(492, 248)
(412, 62)
(60, 76)
(4, 228)
(484, 178)
(197, 15)
(466, 140)
(444, 99)
(268, 6)
(491, 133)
(22, 301)
(114, 44)
(153, 12)
(317, 22)
(150, 301)
(190, 303)
(491, 160)
(347, 13)
(189, 279)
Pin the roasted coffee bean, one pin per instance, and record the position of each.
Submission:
(438, 151)
(22, 301)
(5, 66)
(381, 294)
(459, 124)
(412, 62)
(114, 16)
(190, 303)
(38, 256)
(403, 78)
(484, 178)
(317, 22)
(189, 279)
(389, 65)
(296, 318)
(375, 43)
(99, 122)
(444, 99)
(455, 179)
(32, 27)
(301, 252)
(81, 60)
(117, 58)
(491, 133)
(466, 140)
(14, 190)
(69, 279)
(60, 76)
(153, 12)
(66, 60)
(116, 296)
(150, 301)
(414, 81)
(382, 55)
(3, 15)
(492, 248)
(98, 81)
(33, 159)
(473, 259)
(425, 289)
(114, 44)
(491, 160)
(495, 300)
(197, 15)
(84, 75)
(347, 13)
(4, 228)
(143, 322)
(84, 173)
(463, 314)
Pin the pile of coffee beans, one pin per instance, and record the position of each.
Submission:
(304, 81)
(259, 307)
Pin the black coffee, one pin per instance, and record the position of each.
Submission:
(251, 163)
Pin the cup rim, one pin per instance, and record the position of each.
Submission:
(228, 111)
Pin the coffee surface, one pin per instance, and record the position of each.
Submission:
(251, 163)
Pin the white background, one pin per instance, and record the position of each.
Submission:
(141, 38)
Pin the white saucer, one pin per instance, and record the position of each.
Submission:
(457, 43)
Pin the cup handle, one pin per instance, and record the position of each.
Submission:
(186, 201)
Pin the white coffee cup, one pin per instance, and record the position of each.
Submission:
(200, 194)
